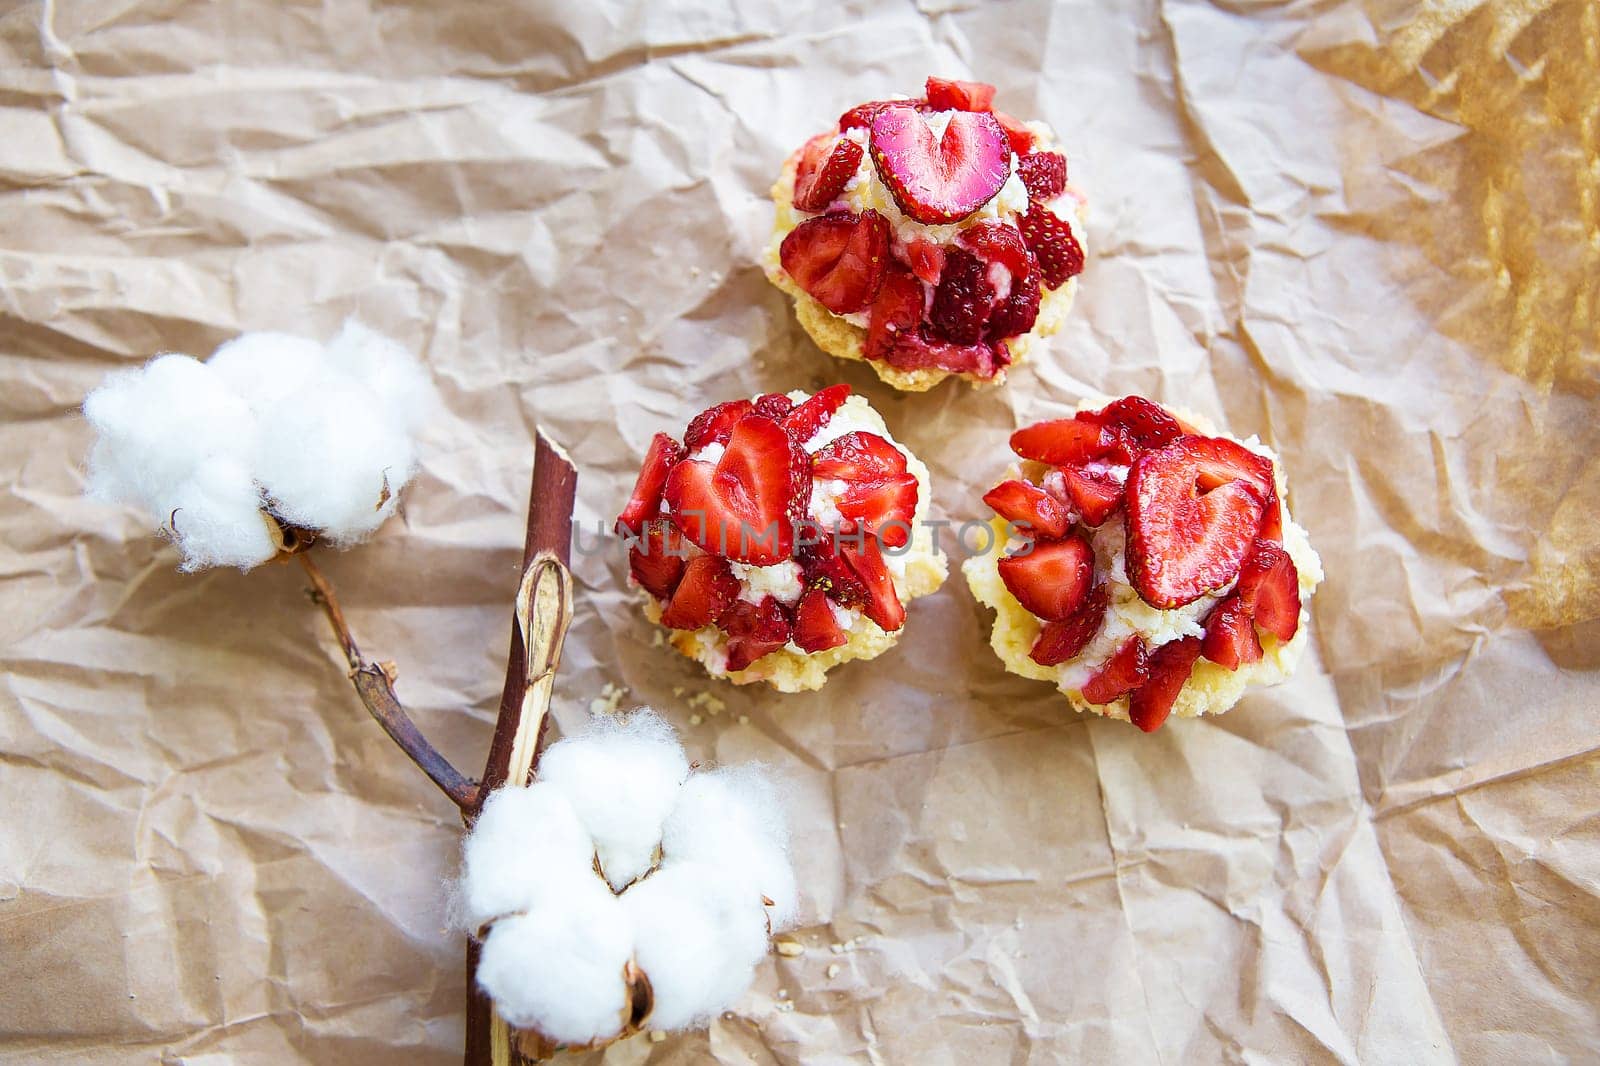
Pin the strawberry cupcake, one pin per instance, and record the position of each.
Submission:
(1145, 565)
(782, 537)
(934, 237)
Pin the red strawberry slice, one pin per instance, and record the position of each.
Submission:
(715, 424)
(999, 242)
(826, 571)
(926, 260)
(1094, 494)
(839, 258)
(1052, 579)
(1230, 638)
(657, 560)
(883, 508)
(946, 95)
(1044, 174)
(1125, 671)
(645, 503)
(858, 456)
(1272, 519)
(754, 630)
(774, 405)
(1148, 423)
(704, 593)
(1269, 588)
(861, 116)
(896, 313)
(1052, 243)
(1016, 314)
(804, 421)
(826, 165)
(963, 300)
(882, 601)
(1029, 505)
(918, 351)
(1194, 507)
(815, 627)
(1063, 442)
(1169, 666)
(742, 506)
(1064, 638)
(1018, 137)
(944, 180)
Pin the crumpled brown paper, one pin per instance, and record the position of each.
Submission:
(1368, 233)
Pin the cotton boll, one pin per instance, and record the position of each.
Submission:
(622, 778)
(524, 851)
(559, 970)
(216, 518)
(394, 376)
(697, 938)
(731, 819)
(262, 368)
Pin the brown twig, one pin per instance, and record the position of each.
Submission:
(375, 686)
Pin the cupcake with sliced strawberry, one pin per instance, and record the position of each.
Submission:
(784, 535)
(1145, 565)
(933, 237)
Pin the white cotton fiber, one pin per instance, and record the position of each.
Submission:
(264, 367)
(731, 820)
(622, 778)
(393, 377)
(524, 852)
(559, 970)
(697, 938)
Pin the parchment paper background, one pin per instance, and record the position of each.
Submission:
(1368, 232)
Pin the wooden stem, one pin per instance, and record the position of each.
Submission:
(374, 683)
(543, 613)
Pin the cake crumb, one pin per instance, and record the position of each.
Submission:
(788, 947)
(657, 1036)
(695, 719)
(744, 719)
(708, 702)
(783, 993)
(833, 970)
(608, 701)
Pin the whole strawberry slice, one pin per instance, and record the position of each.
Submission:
(1194, 507)
(883, 508)
(896, 312)
(838, 258)
(645, 503)
(944, 95)
(715, 425)
(1043, 174)
(1064, 638)
(1125, 671)
(754, 630)
(883, 602)
(805, 420)
(815, 627)
(1169, 667)
(943, 180)
(1095, 495)
(1230, 638)
(705, 591)
(858, 456)
(1269, 588)
(657, 560)
(1148, 423)
(1063, 442)
(1030, 506)
(826, 165)
(741, 506)
(1052, 243)
(1053, 579)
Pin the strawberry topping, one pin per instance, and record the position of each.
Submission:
(1230, 638)
(1052, 579)
(826, 166)
(704, 593)
(839, 258)
(1018, 137)
(879, 496)
(998, 242)
(1269, 588)
(1044, 174)
(656, 561)
(963, 300)
(715, 425)
(1064, 638)
(741, 506)
(1094, 494)
(946, 95)
(828, 572)
(1125, 671)
(1052, 243)
(944, 180)
(645, 503)
(1147, 423)
(1030, 506)
(1016, 314)
(1169, 667)
(861, 116)
(774, 405)
(858, 456)
(882, 603)
(1194, 507)
(917, 351)
(815, 627)
(926, 260)
(1063, 441)
(754, 630)
(804, 421)
(896, 313)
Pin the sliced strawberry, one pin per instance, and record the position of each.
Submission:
(1052, 579)
(1064, 638)
(926, 260)
(946, 95)
(1125, 671)
(754, 630)
(1016, 314)
(858, 456)
(1194, 507)
(861, 116)
(1063, 442)
(1029, 505)
(1044, 174)
(963, 300)
(1269, 588)
(645, 503)
(715, 424)
(657, 561)
(1052, 243)
(1018, 137)
(742, 506)
(1094, 494)
(1272, 519)
(839, 258)
(1230, 638)
(883, 508)
(883, 602)
(815, 627)
(896, 313)
(999, 242)
(1169, 666)
(919, 351)
(826, 165)
(826, 571)
(774, 405)
(804, 421)
(705, 590)
(944, 180)
(1148, 423)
